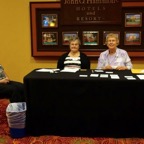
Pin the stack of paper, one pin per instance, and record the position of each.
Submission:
(47, 70)
(72, 70)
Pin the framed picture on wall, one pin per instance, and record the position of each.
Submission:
(90, 37)
(133, 19)
(49, 20)
(49, 38)
(132, 38)
(67, 36)
(105, 33)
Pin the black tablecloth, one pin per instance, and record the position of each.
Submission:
(75, 104)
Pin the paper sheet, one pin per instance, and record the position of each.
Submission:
(141, 77)
(72, 70)
(47, 70)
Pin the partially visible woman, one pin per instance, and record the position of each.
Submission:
(74, 58)
(12, 90)
(114, 57)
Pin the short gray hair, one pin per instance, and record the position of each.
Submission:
(75, 39)
(112, 35)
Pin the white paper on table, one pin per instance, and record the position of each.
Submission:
(83, 75)
(114, 76)
(72, 70)
(104, 75)
(130, 77)
(140, 77)
(94, 75)
(108, 72)
(99, 70)
(47, 70)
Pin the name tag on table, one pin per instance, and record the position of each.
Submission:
(94, 75)
(47, 70)
(114, 76)
(103, 75)
(141, 77)
(108, 72)
(99, 70)
(130, 77)
(83, 75)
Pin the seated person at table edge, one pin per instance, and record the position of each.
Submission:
(74, 58)
(114, 57)
(12, 90)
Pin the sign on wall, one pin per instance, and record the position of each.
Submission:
(76, 12)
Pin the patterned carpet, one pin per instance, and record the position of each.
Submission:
(6, 139)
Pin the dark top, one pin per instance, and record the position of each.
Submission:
(85, 62)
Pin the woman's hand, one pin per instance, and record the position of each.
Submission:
(108, 67)
(121, 68)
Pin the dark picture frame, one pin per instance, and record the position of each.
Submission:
(67, 36)
(90, 38)
(105, 33)
(132, 38)
(49, 20)
(133, 19)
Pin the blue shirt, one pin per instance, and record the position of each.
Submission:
(120, 58)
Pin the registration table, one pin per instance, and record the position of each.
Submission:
(86, 103)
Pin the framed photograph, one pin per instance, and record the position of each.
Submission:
(105, 33)
(49, 20)
(90, 37)
(49, 38)
(132, 38)
(67, 36)
(133, 19)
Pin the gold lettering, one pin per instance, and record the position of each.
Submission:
(90, 1)
(93, 1)
(91, 13)
(98, 8)
(101, 1)
(88, 19)
(74, 2)
(82, 2)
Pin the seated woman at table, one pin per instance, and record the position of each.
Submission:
(74, 58)
(12, 90)
(114, 57)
